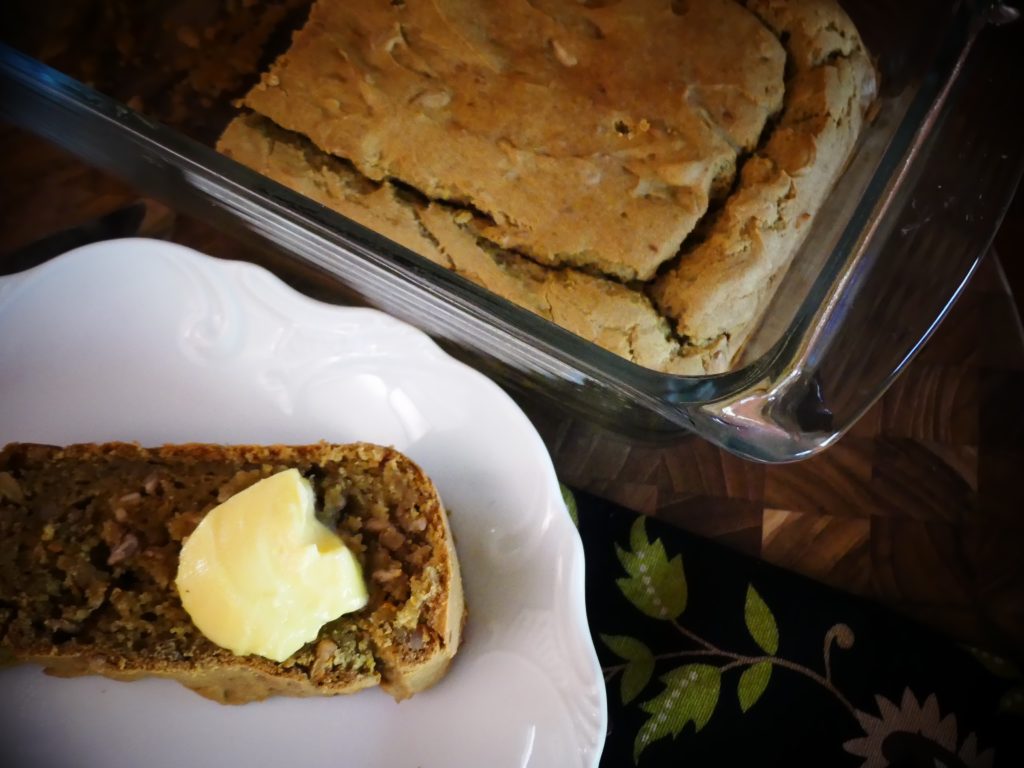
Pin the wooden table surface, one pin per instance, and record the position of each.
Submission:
(920, 507)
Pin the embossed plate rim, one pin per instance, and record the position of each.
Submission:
(526, 689)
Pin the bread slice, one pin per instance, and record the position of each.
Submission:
(89, 542)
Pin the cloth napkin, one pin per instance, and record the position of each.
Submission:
(714, 658)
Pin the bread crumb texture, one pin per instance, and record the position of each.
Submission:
(89, 543)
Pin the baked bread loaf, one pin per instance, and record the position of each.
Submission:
(89, 542)
(625, 118)
(602, 310)
(640, 172)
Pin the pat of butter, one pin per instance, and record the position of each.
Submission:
(260, 574)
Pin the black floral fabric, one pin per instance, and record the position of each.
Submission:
(714, 658)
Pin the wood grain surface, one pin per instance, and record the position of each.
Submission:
(920, 506)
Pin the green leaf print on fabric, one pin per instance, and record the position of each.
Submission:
(570, 504)
(674, 675)
(690, 696)
(753, 683)
(656, 585)
(761, 622)
(639, 664)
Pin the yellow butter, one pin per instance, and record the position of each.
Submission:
(260, 574)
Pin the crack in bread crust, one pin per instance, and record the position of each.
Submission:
(538, 190)
(716, 293)
(451, 238)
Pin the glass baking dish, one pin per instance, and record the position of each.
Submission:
(900, 235)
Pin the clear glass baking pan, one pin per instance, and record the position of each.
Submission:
(901, 234)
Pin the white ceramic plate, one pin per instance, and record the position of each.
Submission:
(146, 341)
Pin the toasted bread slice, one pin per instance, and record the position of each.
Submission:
(89, 542)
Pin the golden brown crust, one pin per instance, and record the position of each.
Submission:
(584, 148)
(717, 292)
(89, 536)
(434, 94)
(626, 322)
(224, 683)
